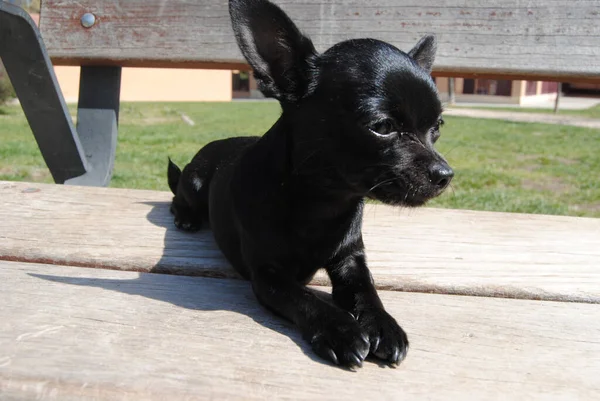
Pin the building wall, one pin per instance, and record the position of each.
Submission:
(518, 93)
(442, 84)
(158, 84)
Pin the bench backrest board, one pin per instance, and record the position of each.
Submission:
(534, 39)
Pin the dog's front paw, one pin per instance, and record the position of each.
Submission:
(184, 221)
(186, 225)
(340, 340)
(387, 339)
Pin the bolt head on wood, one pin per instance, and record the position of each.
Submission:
(88, 20)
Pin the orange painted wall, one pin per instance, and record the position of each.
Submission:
(156, 84)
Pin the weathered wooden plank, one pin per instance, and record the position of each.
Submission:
(424, 250)
(75, 334)
(547, 39)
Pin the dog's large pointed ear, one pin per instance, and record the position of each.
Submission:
(279, 54)
(424, 52)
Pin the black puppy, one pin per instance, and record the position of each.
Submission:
(359, 120)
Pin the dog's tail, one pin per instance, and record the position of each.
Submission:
(173, 174)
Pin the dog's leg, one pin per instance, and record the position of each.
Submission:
(190, 204)
(184, 217)
(354, 290)
(332, 332)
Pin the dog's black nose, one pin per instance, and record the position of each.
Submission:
(440, 175)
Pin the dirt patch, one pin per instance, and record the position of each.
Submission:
(38, 174)
(34, 174)
(152, 120)
(555, 186)
(561, 160)
(589, 207)
(531, 167)
(548, 161)
(526, 158)
(564, 160)
(8, 171)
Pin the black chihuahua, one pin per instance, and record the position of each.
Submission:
(359, 120)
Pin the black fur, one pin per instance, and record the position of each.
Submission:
(359, 120)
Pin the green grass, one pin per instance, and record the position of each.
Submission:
(592, 112)
(500, 166)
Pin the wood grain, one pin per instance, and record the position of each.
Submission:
(78, 334)
(424, 250)
(547, 39)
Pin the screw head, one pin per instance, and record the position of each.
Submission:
(88, 20)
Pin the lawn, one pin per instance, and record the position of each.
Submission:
(500, 166)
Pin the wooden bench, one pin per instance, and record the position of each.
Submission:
(496, 305)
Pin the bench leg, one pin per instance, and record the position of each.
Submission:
(97, 122)
(29, 68)
(80, 157)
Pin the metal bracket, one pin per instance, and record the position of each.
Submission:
(81, 157)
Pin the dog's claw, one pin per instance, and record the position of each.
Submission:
(375, 344)
(402, 355)
(333, 356)
(357, 360)
(365, 339)
(395, 356)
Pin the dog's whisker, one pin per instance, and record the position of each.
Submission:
(407, 192)
(452, 188)
(381, 183)
(451, 149)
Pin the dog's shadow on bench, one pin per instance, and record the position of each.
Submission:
(181, 251)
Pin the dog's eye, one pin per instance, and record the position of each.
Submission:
(383, 128)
